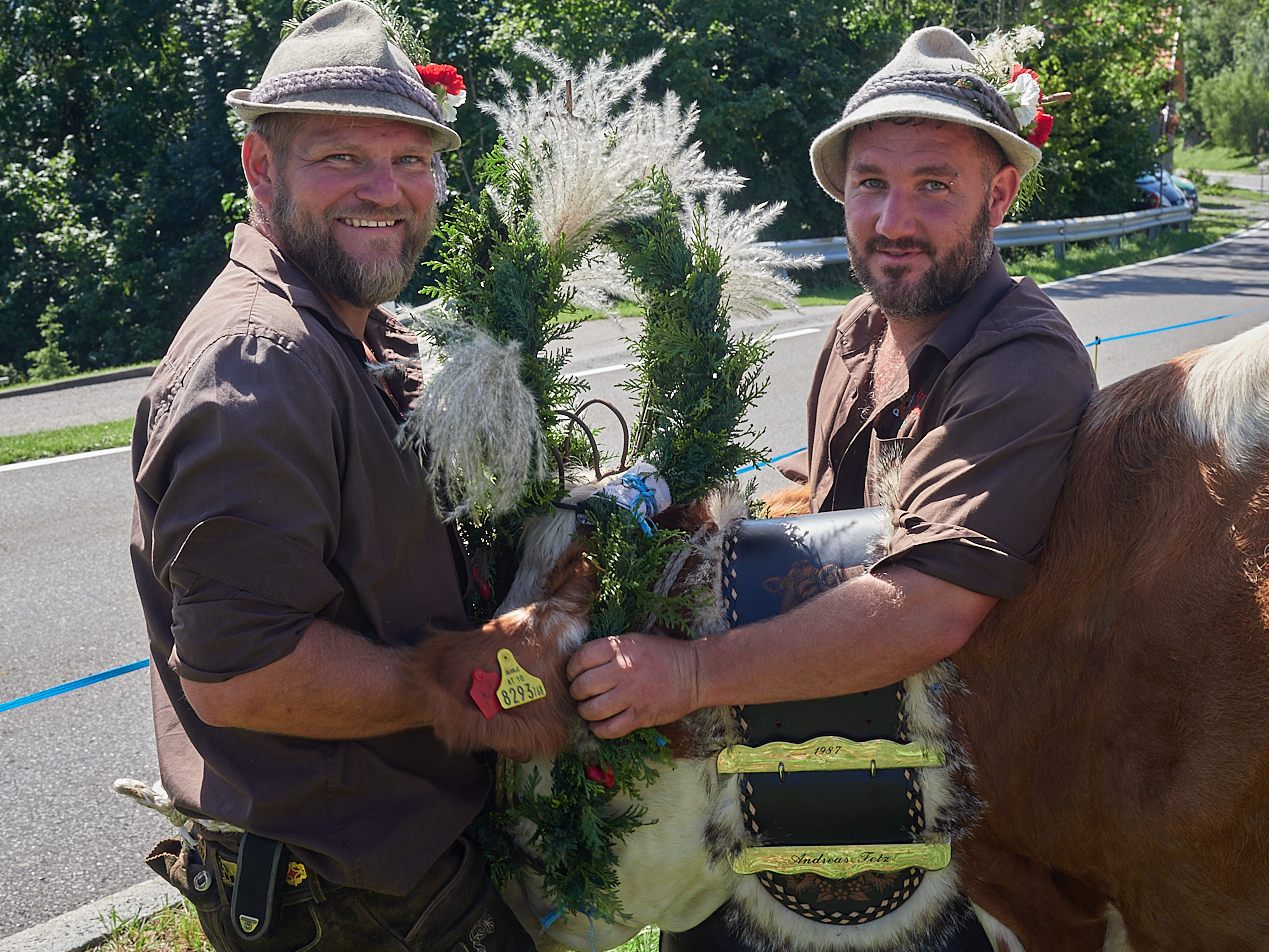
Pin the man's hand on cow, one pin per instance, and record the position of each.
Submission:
(630, 681)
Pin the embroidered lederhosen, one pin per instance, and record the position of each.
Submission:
(833, 808)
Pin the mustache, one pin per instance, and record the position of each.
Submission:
(903, 244)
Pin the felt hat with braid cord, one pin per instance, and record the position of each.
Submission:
(341, 61)
(935, 75)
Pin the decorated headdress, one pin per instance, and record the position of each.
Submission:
(937, 75)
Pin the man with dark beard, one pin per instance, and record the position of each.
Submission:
(949, 393)
(288, 553)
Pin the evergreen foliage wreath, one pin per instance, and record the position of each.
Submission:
(593, 188)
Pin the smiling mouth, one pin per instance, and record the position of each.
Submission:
(369, 222)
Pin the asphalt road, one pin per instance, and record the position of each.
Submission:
(69, 609)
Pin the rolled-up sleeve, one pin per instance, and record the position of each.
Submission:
(244, 462)
(977, 490)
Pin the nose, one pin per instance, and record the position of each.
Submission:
(896, 215)
(379, 184)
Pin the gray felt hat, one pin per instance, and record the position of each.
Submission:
(340, 62)
(931, 77)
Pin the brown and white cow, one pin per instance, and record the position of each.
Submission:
(1115, 715)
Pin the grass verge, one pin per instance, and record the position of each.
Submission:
(176, 929)
(1212, 158)
(72, 439)
(1208, 226)
(86, 375)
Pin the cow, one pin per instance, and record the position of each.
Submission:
(1112, 720)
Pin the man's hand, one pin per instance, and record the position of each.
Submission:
(632, 681)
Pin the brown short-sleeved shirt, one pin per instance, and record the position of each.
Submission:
(270, 492)
(983, 426)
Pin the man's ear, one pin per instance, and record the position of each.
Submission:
(260, 166)
(1001, 192)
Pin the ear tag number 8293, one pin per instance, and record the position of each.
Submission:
(517, 685)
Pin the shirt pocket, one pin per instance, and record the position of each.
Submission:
(885, 464)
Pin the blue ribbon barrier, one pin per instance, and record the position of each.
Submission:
(137, 665)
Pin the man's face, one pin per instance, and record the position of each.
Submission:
(354, 204)
(921, 201)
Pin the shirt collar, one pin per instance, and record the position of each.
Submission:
(956, 330)
(261, 256)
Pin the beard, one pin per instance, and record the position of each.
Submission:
(951, 273)
(310, 244)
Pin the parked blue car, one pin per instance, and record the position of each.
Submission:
(1150, 185)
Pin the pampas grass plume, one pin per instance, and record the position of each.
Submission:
(478, 425)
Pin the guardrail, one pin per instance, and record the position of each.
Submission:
(1058, 233)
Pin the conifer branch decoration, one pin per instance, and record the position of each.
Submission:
(594, 190)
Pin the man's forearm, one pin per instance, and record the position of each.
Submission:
(864, 634)
(335, 684)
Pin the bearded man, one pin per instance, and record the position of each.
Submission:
(950, 392)
(287, 551)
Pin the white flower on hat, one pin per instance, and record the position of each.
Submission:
(449, 104)
(1023, 96)
(1001, 49)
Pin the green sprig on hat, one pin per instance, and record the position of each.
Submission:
(400, 30)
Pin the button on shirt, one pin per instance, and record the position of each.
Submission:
(971, 448)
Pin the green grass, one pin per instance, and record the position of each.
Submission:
(1215, 197)
(72, 439)
(176, 929)
(1207, 227)
(1213, 158)
(85, 375)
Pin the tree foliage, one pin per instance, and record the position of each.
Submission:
(117, 152)
(1228, 55)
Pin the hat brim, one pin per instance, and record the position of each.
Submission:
(828, 151)
(350, 103)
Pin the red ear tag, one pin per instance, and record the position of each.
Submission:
(484, 685)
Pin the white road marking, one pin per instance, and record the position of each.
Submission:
(797, 333)
(26, 464)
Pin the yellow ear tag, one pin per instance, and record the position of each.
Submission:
(517, 686)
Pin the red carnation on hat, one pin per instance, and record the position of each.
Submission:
(445, 81)
(443, 75)
(1043, 126)
(1019, 69)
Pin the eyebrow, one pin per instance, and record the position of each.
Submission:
(941, 169)
(338, 141)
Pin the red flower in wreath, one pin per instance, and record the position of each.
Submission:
(602, 774)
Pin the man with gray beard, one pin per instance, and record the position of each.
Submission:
(288, 553)
(949, 393)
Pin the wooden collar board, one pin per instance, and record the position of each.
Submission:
(834, 807)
